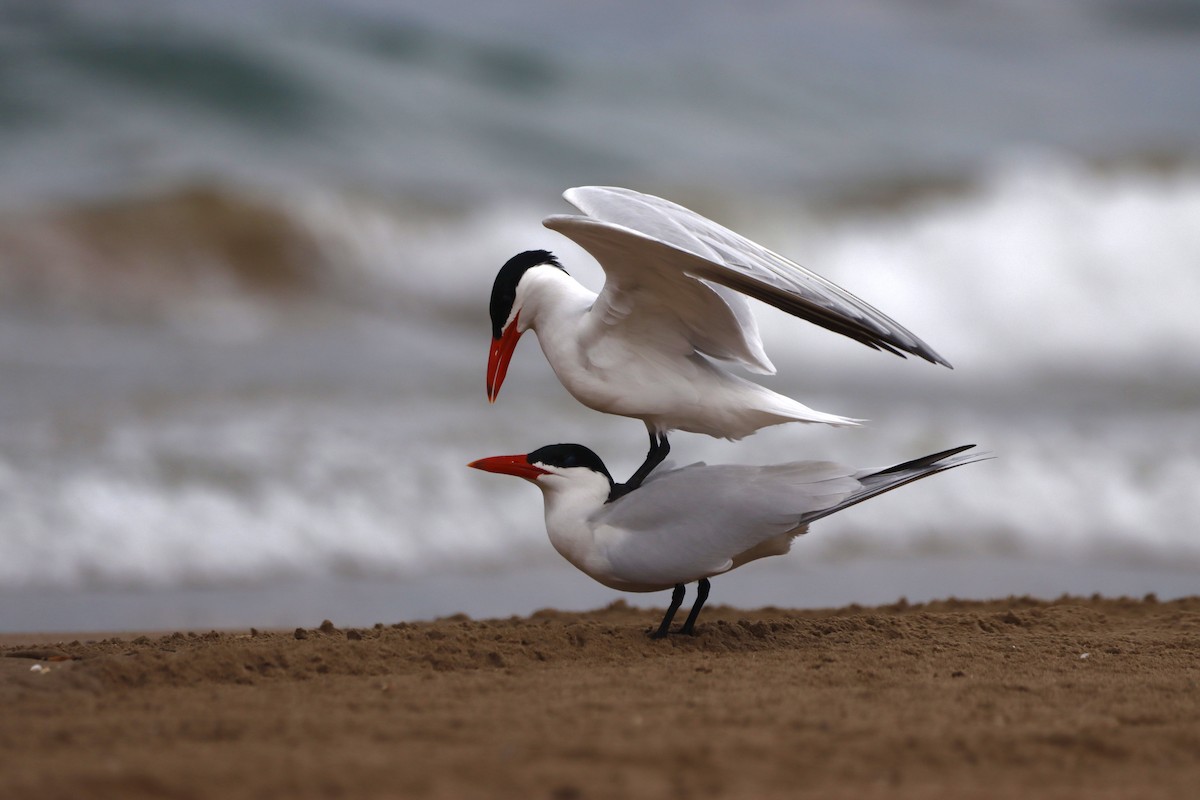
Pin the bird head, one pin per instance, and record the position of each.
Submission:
(552, 466)
(505, 311)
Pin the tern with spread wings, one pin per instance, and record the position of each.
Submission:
(689, 524)
(673, 306)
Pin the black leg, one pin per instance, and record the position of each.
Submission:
(659, 448)
(676, 601)
(701, 596)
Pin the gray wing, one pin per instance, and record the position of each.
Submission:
(693, 521)
(640, 238)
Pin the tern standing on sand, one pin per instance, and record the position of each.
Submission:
(689, 524)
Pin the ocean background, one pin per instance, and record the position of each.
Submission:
(246, 250)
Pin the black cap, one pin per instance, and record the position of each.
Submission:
(504, 290)
(568, 455)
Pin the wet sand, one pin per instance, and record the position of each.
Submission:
(1012, 698)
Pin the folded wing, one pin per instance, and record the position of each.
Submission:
(690, 522)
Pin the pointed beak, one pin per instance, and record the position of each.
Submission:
(498, 358)
(510, 465)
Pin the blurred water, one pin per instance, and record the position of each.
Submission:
(456, 100)
(246, 252)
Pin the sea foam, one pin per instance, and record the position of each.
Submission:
(335, 443)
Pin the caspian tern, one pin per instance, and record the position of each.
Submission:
(689, 524)
(672, 303)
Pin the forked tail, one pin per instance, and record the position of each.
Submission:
(884, 480)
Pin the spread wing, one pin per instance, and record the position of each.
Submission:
(662, 259)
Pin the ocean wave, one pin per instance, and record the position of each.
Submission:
(205, 262)
(1062, 294)
(225, 493)
(1039, 263)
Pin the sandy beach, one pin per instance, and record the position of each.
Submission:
(1013, 698)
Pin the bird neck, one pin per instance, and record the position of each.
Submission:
(569, 508)
(549, 298)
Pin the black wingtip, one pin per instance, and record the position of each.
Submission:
(923, 461)
(934, 358)
(804, 308)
